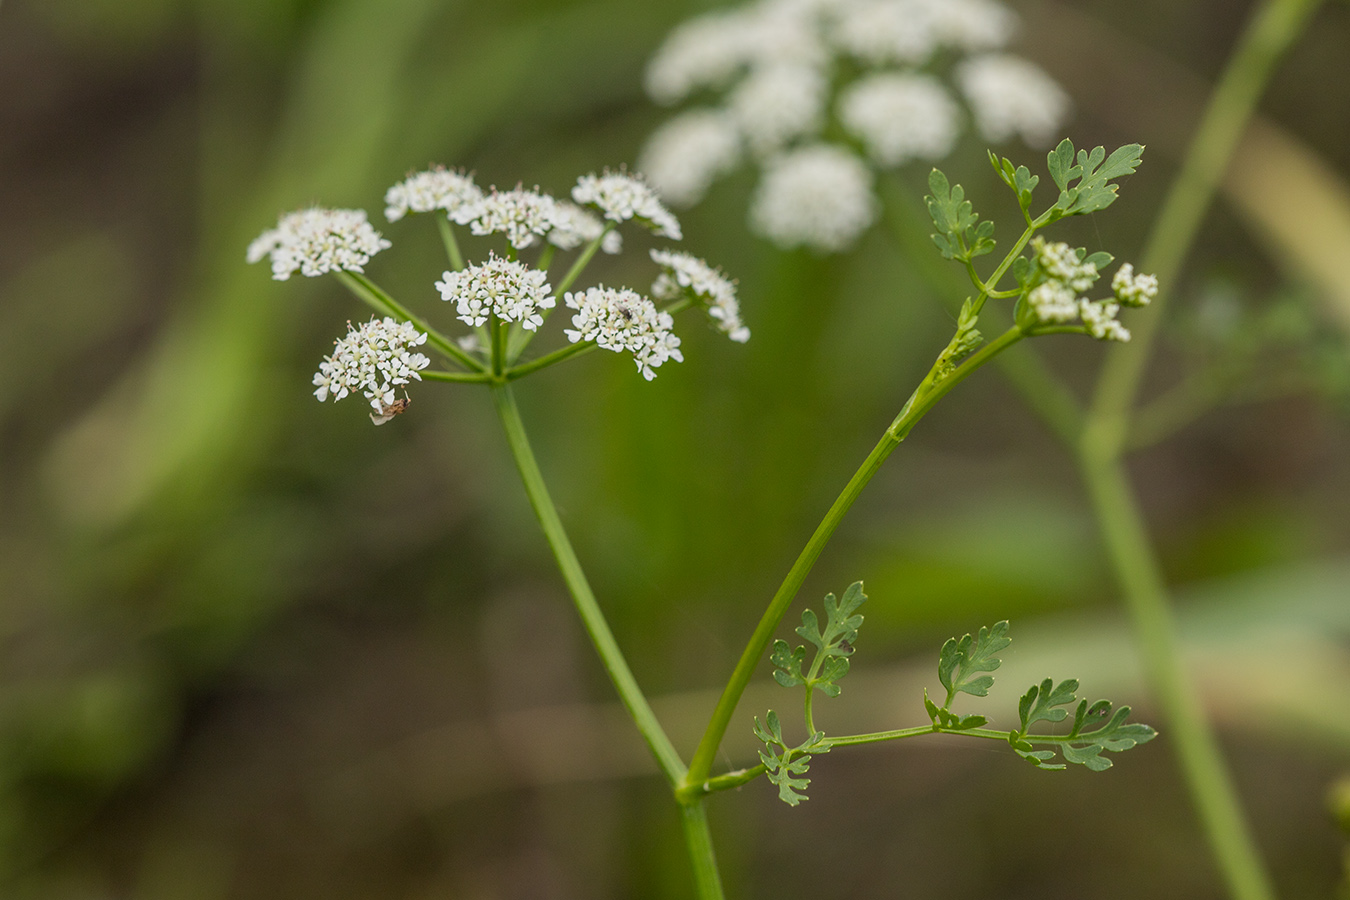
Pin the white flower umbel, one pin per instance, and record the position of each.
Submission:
(1011, 96)
(620, 320)
(1060, 262)
(315, 241)
(374, 359)
(776, 104)
(574, 226)
(686, 275)
(786, 70)
(818, 196)
(620, 196)
(508, 289)
(437, 188)
(1100, 318)
(901, 117)
(1131, 289)
(523, 216)
(684, 156)
(1053, 302)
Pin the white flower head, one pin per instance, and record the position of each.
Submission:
(1060, 262)
(314, 241)
(1100, 318)
(510, 290)
(1134, 290)
(623, 320)
(574, 226)
(1053, 301)
(374, 359)
(436, 188)
(819, 196)
(971, 24)
(702, 52)
(881, 32)
(686, 274)
(620, 196)
(777, 103)
(1010, 96)
(683, 157)
(523, 216)
(901, 117)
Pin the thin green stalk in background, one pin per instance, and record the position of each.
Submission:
(1270, 33)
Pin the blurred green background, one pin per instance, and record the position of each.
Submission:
(252, 647)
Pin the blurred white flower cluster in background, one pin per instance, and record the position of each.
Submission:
(820, 93)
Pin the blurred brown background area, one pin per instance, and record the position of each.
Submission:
(251, 647)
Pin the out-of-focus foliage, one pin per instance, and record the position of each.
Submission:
(248, 640)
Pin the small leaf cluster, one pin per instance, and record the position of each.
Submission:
(785, 765)
(1084, 182)
(961, 235)
(833, 643)
(963, 668)
(1047, 701)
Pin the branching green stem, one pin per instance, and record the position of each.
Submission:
(469, 377)
(549, 359)
(522, 340)
(611, 657)
(930, 391)
(381, 302)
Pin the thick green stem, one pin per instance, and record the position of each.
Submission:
(699, 839)
(929, 392)
(611, 657)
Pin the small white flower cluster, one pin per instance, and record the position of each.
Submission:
(1056, 300)
(819, 196)
(314, 241)
(574, 226)
(522, 215)
(373, 359)
(436, 188)
(510, 290)
(620, 196)
(779, 63)
(685, 274)
(1134, 290)
(620, 320)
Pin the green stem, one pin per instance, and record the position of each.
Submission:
(550, 359)
(470, 377)
(698, 837)
(517, 347)
(451, 245)
(376, 298)
(1269, 34)
(717, 783)
(922, 400)
(611, 657)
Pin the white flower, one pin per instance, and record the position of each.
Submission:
(510, 290)
(1100, 318)
(523, 216)
(886, 31)
(574, 226)
(686, 273)
(819, 196)
(971, 24)
(620, 320)
(437, 188)
(775, 104)
(1053, 301)
(1131, 289)
(315, 241)
(373, 359)
(1012, 96)
(703, 52)
(1060, 262)
(899, 117)
(684, 156)
(620, 196)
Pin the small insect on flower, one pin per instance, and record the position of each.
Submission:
(387, 411)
